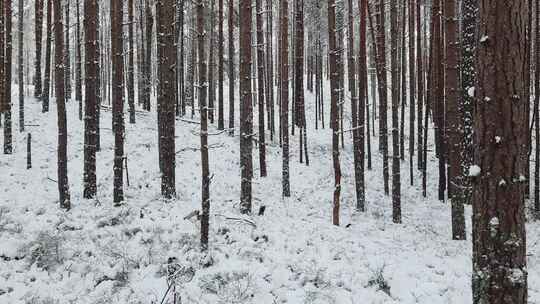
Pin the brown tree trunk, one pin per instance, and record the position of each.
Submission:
(211, 65)
(67, 55)
(8, 135)
(38, 37)
(117, 99)
(148, 60)
(261, 86)
(20, 68)
(47, 77)
(166, 94)
(205, 193)
(284, 96)
(78, 62)
(420, 83)
(454, 121)
(131, 65)
(231, 66)
(221, 122)
(63, 184)
(396, 177)
(334, 88)
(412, 87)
(3, 105)
(537, 119)
(500, 141)
(246, 110)
(91, 70)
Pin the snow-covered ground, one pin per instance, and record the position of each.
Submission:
(97, 253)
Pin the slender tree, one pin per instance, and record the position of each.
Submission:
(117, 99)
(3, 105)
(284, 96)
(455, 121)
(47, 77)
(63, 183)
(333, 53)
(78, 62)
(396, 176)
(537, 118)
(361, 119)
(67, 51)
(38, 10)
(231, 66)
(131, 64)
(211, 65)
(205, 195)
(221, 122)
(261, 85)
(500, 141)
(166, 92)
(246, 110)
(420, 82)
(412, 85)
(91, 56)
(8, 136)
(148, 60)
(20, 65)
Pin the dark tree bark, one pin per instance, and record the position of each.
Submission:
(500, 141)
(270, 69)
(205, 195)
(261, 85)
(381, 84)
(333, 54)
(455, 121)
(246, 110)
(420, 83)
(221, 122)
(299, 101)
(78, 62)
(20, 69)
(47, 77)
(284, 96)
(63, 184)
(91, 70)
(3, 105)
(537, 118)
(166, 94)
(468, 46)
(131, 65)
(396, 177)
(412, 87)
(148, 60)
(117, 99)
(38, 9)
(231, 66)
(67, 55)
(211, 65)
(8, 135)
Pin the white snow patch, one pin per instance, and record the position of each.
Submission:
(498, 139)
(484, 38)
(470, 92)
(474, 170)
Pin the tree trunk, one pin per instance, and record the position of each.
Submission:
(91, 70)
(455, 121)
(231, 67)
(261, 86)
(20, 64)
(284, 96)
(246, 110)
(500, 141)
(396, 177)
(47, 77)
(8, 136)
(211, 65)
(131, 65)
(148, 61)
(63, 184)
(334, 88)
(78, 77)
(38, 37)
(221, 122)
(117, 99)
(166, 94)
(205, 195)
(67, 55)
(537, 117)
(420, 83)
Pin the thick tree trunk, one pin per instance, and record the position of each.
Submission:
(455, 121)
(166, 95)
(117, 100)
(63, 184)
(500, 141)
(246, 110)
(91, 70)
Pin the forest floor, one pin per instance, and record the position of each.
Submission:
(97, 253)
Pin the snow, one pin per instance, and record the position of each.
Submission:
(97, 253)
(484, 39)
(498, 139)
(474, 171)
(470, 91)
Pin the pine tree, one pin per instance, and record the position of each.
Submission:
(221, 122)
(333, 53)
(38, 9)
(131, 65)
(231, 66)
(20, 65)
(91, 70)
(78, 63)
(47, 77)
(261, 86)
(3, 105)
(166, 95)
(500, 141)
(63, 183)
(117, 99)
(246, 110)
(8, 136)
(396, 177)
(67, 52)
(284, 96)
